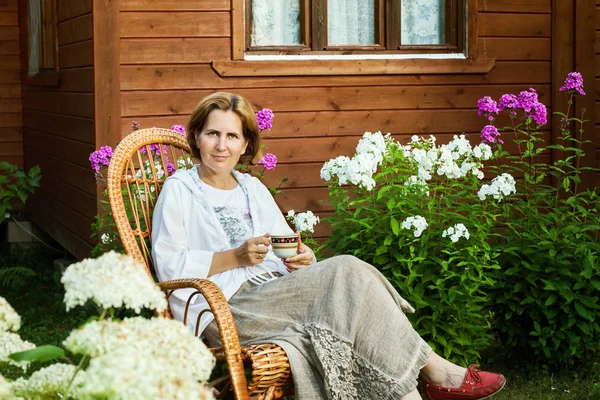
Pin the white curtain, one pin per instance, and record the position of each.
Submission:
(350, 22)
(275, 22)
(423, 22)
(34, 24)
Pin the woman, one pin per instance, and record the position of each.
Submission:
(341, 323)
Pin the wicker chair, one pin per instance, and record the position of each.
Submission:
(136, 173)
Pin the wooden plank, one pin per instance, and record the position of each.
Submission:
(77, 80)
(11, 135)
(11, 148)
(106, 73)
(172, 5)
(75, 104)
(18, 160)
(323, 99)
(9, 47)
(11, 120)
(9, 18)
(10, 76)
(585, 32)
(303, 199)
(9, 5)
(353, 67)
(170, 77)
(65, 126)
(563, 61)
(174, 50)
(238, 30)
(76, 55)
(517, 49)
(67, 9)
(174, 24)
(514, 25)
(9, 32)
(350, 123)
(9, 106)
(11, 91)
(597, 41)
(75, 30)
(77, 177)
(69, 150)
(524, 6)
(10, 62)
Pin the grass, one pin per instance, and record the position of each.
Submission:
(45, 321)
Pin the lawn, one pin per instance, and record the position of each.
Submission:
(45, 321)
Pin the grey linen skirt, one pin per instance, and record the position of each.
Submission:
(342, 326)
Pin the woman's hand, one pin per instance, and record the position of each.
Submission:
(303, 259)
(253, 251)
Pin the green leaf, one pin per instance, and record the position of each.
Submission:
(41, 354)
(537, 327)
(395, 226)
(581, 310)
(551, 300)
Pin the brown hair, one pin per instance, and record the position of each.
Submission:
(225, 102)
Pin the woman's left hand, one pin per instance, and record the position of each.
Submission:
(303, 259)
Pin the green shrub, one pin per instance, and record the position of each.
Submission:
(546, 295)
(15, 183)
(418, 219)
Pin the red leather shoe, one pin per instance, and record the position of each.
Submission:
(477, 385)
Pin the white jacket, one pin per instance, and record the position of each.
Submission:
(186, 233)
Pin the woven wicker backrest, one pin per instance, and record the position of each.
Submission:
(138, 168)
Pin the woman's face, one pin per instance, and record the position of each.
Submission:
(221, 141)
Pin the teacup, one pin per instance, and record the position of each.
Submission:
(285, 246)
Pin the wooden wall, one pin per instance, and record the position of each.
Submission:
(59, 131)
(11, 120)
(165, 71)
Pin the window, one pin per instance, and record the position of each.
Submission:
(354, 26)
(42, 33)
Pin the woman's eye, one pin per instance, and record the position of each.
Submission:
(233, 136)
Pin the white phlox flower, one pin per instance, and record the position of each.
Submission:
(460, 145)
(304, 221)
(9, 319)
(500, 187)
(418, 223)
(169, 340)
(5, 389)
(12, 343)
(112, 280)
(291, 213)
(456, 232)
(105, 238)
(50, 383)
(184, 163)
(146, 173)
(335, 167)
(482, 151)
(133, 373)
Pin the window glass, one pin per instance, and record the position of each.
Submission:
(350, 22)
(275, 23)
(423, 22)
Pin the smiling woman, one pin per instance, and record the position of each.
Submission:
(340, 322)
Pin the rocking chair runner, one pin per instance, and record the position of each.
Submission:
(139, 166)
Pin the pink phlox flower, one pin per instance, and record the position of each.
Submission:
(487, 107)
(269, 161)
(490, 134)
(538, 113)
(573, 83)
(527, 99)
(179, 128)
(101, 158)
(508, 101)
(135, 126)
(264, 118)
(154, 149)
(171, 168)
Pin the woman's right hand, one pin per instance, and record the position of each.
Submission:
(253, 251)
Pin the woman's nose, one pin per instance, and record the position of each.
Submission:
(221, 144)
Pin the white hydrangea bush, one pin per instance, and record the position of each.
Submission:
(166, 340)
(112, 280)
(54, 381)
(10, 343)
(9, 319)
(6, 392)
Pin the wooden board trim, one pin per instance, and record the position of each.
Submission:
(352, 67)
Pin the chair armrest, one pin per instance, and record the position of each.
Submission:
(227, 329)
